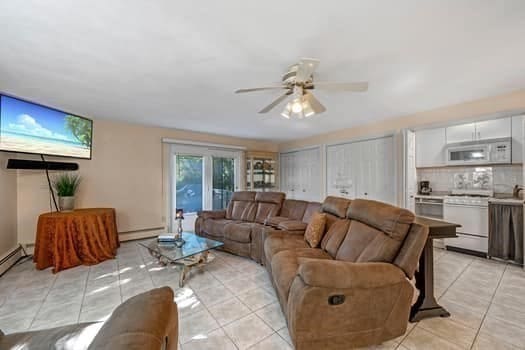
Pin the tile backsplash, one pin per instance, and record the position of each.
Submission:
(442, 179)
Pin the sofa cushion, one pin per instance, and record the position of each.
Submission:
(279, 241)
(285, 265)
(214, 227)
(393, 221)
(265, 210)
(293, 209)
(364, 243)
(292, 225)
(311, 208)
(242, 210)
(268, 204)
(241, 206)
(131, 327)
(315, 230)
(335, 236)
(274, 221)
(238, 232)
(336, 206)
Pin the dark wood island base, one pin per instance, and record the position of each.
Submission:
(426, 305)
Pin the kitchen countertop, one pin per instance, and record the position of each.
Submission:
(502, 198)
(510, 201)
(431, 196)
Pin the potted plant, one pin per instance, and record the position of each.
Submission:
(66, 186)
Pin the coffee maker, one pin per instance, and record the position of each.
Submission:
(424, 188)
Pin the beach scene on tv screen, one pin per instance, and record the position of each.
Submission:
(27, 127)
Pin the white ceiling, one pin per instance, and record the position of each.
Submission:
(176, 63)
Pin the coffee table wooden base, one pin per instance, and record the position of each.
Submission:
(185, 265)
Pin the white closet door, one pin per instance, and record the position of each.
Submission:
(377, 179)
(314, 175)
(334, 170)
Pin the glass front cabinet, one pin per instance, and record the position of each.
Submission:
(261, 171)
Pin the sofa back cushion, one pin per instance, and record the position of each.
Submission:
(241, 206)
(268, 204)
(335, 236)
(293, 209)
(311, 209)
(376, 232)
(393, 221)
(336, 206)
(143, 320)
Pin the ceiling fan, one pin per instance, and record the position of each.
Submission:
(297, 83)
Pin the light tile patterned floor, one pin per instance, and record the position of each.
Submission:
(230, 304)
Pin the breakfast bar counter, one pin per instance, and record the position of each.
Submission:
(426, 305)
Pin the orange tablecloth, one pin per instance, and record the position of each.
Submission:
(79, 237)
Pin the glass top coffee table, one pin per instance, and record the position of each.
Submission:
(193, 253)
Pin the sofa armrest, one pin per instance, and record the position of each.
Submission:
(292, 225)
(212, 214)
(342, 274)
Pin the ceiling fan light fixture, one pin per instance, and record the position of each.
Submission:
(307, 109)
(297, 106)
(287, 110)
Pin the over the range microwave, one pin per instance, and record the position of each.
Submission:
(495, 151)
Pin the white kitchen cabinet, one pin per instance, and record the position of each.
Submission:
(461, 133)
(493, 129)
(362, 169)
(517, 138)
(301, 174)
(483, 130)
(430, 147)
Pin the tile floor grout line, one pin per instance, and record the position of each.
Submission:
(83, 295)
(488, 308)
(213, 330)
(456, 279)
(42, 303)
(407, 334)
(444, 292)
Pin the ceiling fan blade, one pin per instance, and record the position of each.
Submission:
(317, 107)
(276, 102)
(357, 87)
(305, 70)
(261, 89)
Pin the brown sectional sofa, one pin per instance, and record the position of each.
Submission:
(146, 321)
(351, 291)
(354, 289)
(241, 221)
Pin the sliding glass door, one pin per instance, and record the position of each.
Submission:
(189, 183)
(201, 179)
(223, 180)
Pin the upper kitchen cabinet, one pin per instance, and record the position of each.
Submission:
(493, 129)
(460, 133)
(430, 147)
(483, 130)
(517, 138)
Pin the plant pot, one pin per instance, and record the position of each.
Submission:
(66, 203)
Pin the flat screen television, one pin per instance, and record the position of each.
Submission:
(27, 127)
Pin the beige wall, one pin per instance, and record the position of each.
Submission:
(8, 239)
(511, 102)
(126, 173)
